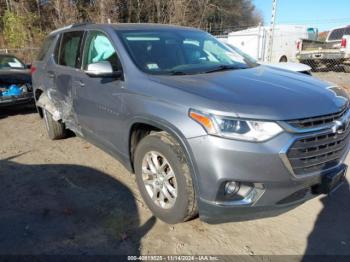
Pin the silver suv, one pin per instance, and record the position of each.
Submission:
(204, 129)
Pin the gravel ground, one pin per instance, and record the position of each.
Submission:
(69, 197)
(342, 79)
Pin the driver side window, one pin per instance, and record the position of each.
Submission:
(98, 48)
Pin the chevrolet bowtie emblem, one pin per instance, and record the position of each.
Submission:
(339, 127)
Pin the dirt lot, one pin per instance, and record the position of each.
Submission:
(342, 79)
(68, 197)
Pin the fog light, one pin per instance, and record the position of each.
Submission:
(231, 188)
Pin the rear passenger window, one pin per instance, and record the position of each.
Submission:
(69, 53)
(337, 34)
(45, 47)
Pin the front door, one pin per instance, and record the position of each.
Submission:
(99, 101)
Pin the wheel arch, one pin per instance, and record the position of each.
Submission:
(161, 125)
(38, 92)
(283, 58)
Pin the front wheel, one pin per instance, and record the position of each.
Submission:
(163, 178)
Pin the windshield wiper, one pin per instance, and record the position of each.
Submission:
(178, 73)
(223, 68)
(215, 69)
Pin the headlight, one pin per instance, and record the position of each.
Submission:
(236, 128)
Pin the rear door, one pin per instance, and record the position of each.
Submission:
(43, 64)
(67, 65)
(99, 101)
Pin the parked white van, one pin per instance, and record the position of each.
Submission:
(254, 41)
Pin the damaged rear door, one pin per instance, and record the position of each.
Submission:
(68, 64)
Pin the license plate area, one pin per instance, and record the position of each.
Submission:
(317, 56)
(330, 181)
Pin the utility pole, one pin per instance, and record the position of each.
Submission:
(272, 30)
(8, 5)
(39, 13)
(102, 11)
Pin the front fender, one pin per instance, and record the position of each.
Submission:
(174, 132)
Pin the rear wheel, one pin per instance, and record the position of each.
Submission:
(163, 178)
(55, 130)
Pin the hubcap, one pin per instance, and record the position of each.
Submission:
(159, 179)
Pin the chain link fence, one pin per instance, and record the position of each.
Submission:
(327, 51)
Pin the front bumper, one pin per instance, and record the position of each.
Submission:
(25, 98)
(261, 164)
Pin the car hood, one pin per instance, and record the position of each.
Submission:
(260, 92)
(296, 67)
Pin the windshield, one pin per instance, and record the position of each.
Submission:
(245, 55)
(180, 52)
(8, 61)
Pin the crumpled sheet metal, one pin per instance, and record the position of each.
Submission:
(60, 109)
(45, 103)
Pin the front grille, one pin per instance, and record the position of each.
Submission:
(318, 152)
(312, 122)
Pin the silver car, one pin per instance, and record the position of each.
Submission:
(206, 130)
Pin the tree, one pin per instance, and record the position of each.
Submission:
(24, 23)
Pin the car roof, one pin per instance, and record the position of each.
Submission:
(12, 56)
(123, 26)
(8, 55)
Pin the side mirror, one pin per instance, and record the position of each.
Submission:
(28, 66)
(102, 69)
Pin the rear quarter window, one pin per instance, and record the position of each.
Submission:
(45, 47)
(338, 34)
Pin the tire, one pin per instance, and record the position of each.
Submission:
(346, 68)
(314, 66)
(55, 130)
(184, 207)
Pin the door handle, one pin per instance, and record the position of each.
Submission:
(80, 83)
(51, 74)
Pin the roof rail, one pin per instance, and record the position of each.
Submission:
(69, 26)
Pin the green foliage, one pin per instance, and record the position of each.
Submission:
(14, 30)
(25, 23)
(19, 30)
